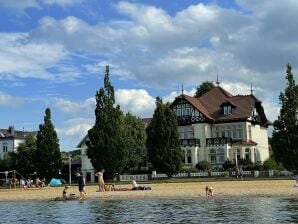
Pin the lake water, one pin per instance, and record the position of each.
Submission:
(221, 210)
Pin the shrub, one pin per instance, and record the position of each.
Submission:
(228, 164)
(204, 165)
(270, 164)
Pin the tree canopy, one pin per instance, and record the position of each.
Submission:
(47, 158)
(135, 140)
(106, 145)
(204, 88)
(23, 159)
(285, 134)
(163, 142)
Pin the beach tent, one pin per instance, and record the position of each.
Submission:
(55, 182)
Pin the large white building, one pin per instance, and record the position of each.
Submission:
(219, 126)
(215, 127)
(10, 139)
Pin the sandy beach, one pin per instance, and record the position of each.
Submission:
(241, 188)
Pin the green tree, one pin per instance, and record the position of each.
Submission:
(47, 157)
(22, 159)
(135, 140)
(106, 145)
(204, 165)
(285, 135)
(163, 143)
(5, 163)
(204, 88)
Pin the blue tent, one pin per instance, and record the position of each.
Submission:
(55, 182)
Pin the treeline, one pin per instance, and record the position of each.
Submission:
(38, 155)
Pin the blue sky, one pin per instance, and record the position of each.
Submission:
(53, 54)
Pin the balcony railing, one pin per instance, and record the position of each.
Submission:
(218, 141)
(186, 120)
(190, 142)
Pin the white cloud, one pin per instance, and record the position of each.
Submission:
(18, 5)
(22, 5)
(21, 58)
(73, 132)
(61, 2)
(9, 100)
(136, 101)
(70, 107)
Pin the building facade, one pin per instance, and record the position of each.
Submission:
(86, 165)
(10, 139)
(219, 126)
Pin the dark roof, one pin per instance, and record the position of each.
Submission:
(146, 120)
(12, 133)
(210, 105)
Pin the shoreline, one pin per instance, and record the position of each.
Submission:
(187, 190)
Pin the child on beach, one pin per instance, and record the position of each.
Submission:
(209, 192)
(296, 184)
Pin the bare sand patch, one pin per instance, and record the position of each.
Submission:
(242, 188)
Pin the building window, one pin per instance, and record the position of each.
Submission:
(247, 154)
(212, 156)
(249, 132)
(186, 133)
(220, 155)
(4, 147)
(188, 155)
(239, 132)
(238, 154)
(227, 110)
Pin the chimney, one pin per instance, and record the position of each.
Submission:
(11, 130)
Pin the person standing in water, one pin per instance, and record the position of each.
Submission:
(101, 183)
(81, 184)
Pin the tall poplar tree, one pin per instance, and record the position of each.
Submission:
(106, 147)
(47, 157)
(163, 143)
(285, 135)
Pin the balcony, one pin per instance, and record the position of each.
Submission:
(190, 142)
(186, 120)
(218, 141)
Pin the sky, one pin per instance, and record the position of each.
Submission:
(53, 54)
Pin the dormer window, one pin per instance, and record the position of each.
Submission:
(227, 107)
(227, 110)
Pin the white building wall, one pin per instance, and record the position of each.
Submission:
(86, 164)
(260, 135)
(11, 144)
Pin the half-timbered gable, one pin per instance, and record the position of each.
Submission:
(189, 111)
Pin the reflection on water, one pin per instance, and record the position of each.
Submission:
(221, 210)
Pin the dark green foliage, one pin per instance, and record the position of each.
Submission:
(22, 160)
(47, 157)
(135, 141)
(285, 135)
(244, 162)
(270, 164)
(228, 164)
(204, 165)
(204, 88)
(163, 142)
(5, 164)
(106, 145)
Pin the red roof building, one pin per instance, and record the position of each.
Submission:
(219, 126)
